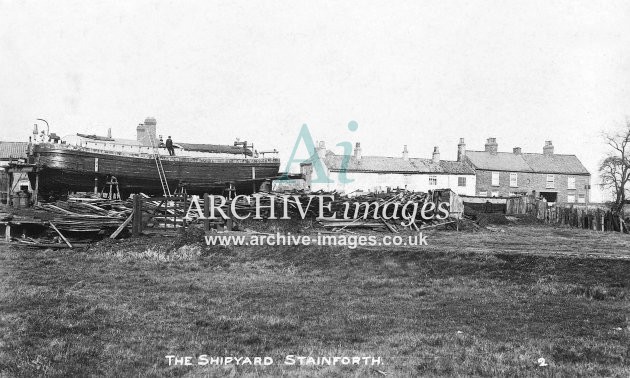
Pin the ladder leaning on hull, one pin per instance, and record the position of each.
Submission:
(160, 168)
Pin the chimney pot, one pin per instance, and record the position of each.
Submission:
(516, 150)
(321, 149)
(405, 153)
(357, 151)
(436, 154)
(461, 150)
(548, 148)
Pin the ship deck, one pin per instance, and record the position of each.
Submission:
(148, 154)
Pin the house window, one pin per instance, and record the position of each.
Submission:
(461, 181)
(571, 198)
(581, 198)
(495, 178)
(551, 182)
(513, 180)
(495, 194)
(571, 183)
(483, 194)
(432, 180)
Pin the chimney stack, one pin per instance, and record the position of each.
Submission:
(146, 131)
(461, 149)
(516, 150)
(548, 149)
(141, 133)
(436, 154)
(109, 132)
(321, 149)
(492, 146)
(357, 151)
(405, 154)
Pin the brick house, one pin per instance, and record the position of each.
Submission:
(380, 173)
(556, 177)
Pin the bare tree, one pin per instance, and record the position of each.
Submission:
(614, 170)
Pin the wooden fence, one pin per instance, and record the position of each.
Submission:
(158, 213)
(593, 217)
(167, 214)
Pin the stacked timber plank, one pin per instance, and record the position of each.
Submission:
(81, 215)
(71, 223)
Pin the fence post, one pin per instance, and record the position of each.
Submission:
(137, 216)
(565, 216)
(184, 210)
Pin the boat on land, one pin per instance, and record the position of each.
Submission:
(83, 163)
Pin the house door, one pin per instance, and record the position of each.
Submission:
(550, 196)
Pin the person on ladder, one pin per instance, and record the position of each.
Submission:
(169, 146)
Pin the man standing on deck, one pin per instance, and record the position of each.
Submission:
(169, 146)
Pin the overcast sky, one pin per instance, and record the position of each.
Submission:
(409, 72)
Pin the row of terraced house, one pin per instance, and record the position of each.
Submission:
(488, 173)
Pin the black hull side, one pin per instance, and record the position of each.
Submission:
(65, 169)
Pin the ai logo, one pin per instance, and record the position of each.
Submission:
(322, 178)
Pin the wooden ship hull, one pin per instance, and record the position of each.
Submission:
(62, 169)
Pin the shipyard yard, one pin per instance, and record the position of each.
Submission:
(270, 189)
(491, 302)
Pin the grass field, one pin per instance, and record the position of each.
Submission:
(478, 304)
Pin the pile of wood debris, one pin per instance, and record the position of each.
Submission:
(81, 219)
(87, 214)
(72, 223)
(302, 205)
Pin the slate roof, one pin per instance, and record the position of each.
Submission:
(384, 164)
(456, 167)
(13, 150)
(526, 162)
(501, 161)
(568, 164)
